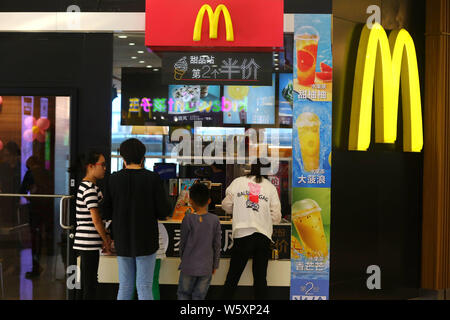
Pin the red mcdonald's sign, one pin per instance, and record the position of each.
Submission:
(234, 25)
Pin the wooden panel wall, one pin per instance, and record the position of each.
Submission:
(436, 181)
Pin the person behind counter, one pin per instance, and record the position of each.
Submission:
(37, 180)
(90, 235)
(255, 206)
(199, 246)
(135, 199)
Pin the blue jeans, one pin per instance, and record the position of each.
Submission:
(193, 288)
(136, 271)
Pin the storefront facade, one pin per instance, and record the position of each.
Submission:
(376, 209)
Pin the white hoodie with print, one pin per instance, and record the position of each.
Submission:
(255, 206)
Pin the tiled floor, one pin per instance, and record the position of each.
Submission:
(17, 261)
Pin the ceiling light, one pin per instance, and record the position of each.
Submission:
(155, 69)
(133, 57)
(149, 66)
(140, 51)
(142, 61)
(132, 43)
(123, 37)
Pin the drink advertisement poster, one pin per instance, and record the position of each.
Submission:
(195, 103)
(310, 243)
(312, 145)
(312, 131)
(250, 104)
(313, 59)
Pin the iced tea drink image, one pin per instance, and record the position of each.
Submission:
(306, 43)
(307, 220)
(308, 126)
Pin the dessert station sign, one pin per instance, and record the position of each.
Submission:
(215, 68)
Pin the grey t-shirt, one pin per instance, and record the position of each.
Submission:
(200, 244)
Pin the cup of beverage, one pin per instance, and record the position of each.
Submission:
(307, 219)
(308, 126)
(306, 43)
(203, 91)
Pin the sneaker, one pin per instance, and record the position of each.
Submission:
(34, 273)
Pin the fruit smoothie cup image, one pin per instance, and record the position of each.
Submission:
(306, 43)
(307, 220)
(238, 92)
(308, 126)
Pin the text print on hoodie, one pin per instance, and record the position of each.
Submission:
(253, 205)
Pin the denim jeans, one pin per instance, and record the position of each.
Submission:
(136, 271)
(193, 288)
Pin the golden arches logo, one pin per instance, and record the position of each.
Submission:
(383, 62)
(213, 22)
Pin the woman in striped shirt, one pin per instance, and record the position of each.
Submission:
(91, 235)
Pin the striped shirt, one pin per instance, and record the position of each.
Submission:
(86, 237)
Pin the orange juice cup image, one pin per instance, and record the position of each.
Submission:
(308, 126)
(306, 42)
(307, 220)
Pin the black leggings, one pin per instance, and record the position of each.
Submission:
(256, 246)
(88, 277)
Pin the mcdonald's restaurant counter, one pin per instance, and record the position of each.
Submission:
(278, 272)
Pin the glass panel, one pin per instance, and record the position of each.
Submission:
(151, 137)
(34, 155)
(271, 120)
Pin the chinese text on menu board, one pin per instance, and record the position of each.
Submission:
(217, 68)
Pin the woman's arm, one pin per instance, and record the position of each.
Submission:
(99, 225)
(163, 208)
(227, 203)
(92, 201)
(275, 206)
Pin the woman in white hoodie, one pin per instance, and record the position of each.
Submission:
(255, 205)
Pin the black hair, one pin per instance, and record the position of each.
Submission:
(13, 148)
(255, 171)
(199, 194)
(85, 159)
(132, 151)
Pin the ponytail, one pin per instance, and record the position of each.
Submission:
(255, 171)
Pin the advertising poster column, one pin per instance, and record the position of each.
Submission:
(311, 176)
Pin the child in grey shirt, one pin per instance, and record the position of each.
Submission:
(199, 246)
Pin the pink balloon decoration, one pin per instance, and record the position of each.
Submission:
(29, 122)
(29, 136)
(1, 145)
(1, 102)
(43, 123)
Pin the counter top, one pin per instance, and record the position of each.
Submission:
(278, 272)
(172, 221)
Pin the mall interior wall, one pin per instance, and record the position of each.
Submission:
(376, 195)
(78, 63)
(75, 64)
